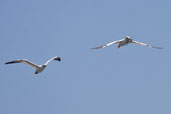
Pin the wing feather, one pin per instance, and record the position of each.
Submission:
(23, 61)
(143, 44)
(53, 58)
(114, 42)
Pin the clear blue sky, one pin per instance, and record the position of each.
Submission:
(131, 80)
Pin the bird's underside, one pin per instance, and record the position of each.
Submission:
(39, 68)
(125, 41)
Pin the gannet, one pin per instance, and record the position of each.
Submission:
(126, 41)
(39, 68)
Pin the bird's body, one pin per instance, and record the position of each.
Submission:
(124, 42)
(39, 68)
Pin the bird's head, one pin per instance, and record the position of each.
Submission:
(128, 38)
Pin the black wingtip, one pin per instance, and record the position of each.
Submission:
(11, 62)
(8, 62)
(58, 58)
(158, 47)
(96, 48)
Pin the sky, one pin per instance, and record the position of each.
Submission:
(131, 80)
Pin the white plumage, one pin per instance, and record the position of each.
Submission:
(39, 68)
(125, 41)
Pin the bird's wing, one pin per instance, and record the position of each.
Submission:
(53, 58)
(114, 42)
(143, 44)
(22, 61)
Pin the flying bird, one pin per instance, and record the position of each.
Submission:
(39, 68)
(125, 41)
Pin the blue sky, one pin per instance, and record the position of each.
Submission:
(131, 80)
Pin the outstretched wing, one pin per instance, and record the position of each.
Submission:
(143, 44)
(114, 42)
(22, 61)
(54, 58)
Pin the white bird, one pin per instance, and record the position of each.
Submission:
(39, 68)
(126, 41)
